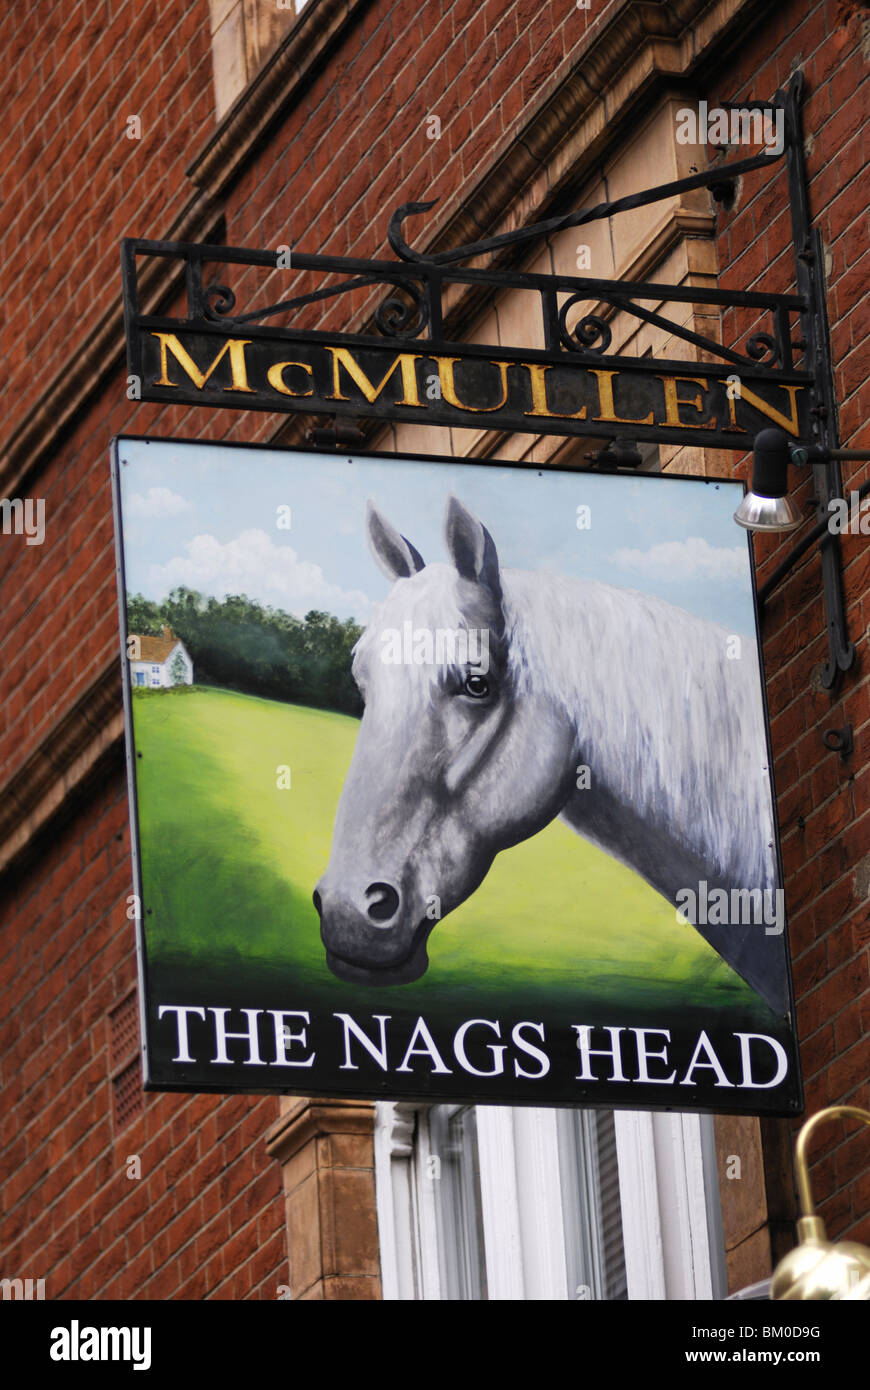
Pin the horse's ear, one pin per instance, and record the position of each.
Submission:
(396, 556)
(471, 547)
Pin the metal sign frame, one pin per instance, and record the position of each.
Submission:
(405, 366)
(166, 1073)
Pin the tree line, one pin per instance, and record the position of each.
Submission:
(237, 643)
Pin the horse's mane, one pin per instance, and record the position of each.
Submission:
(673, 723)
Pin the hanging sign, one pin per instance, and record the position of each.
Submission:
(403, 366)
(668, 402)
(449, 781)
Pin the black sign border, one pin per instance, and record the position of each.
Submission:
(435, 413)
(793, 1103)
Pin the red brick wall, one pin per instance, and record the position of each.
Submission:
(73, 183)
(358, 146)
(824, 803)
(205, 1219)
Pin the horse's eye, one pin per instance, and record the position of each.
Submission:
(475, 685)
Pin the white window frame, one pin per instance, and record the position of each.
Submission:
(668, 1193)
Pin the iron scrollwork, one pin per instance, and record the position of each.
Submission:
(396, 318)
(763, 345)
(589, 334)
(219, 300)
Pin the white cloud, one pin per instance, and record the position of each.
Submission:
(157, 502)
(694, 556)
(253, 564)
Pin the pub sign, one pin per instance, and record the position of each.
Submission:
(449, 781)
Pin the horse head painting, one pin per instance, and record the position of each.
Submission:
(462, 755)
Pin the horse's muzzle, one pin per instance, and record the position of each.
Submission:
(373, 945)
(409, 970)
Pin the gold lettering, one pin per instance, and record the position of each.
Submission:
(732, 414)
(405, 361)
(234, 346)
(448, 385)
(539, 395)
(275, 378)
(605, 399)
(787, 422)
(673, 401)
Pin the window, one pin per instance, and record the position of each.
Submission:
(155, 670)
(493, 1202)
(455, 1164)
(589, 1174)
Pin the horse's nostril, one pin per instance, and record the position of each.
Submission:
(318, 903)
(385, 901)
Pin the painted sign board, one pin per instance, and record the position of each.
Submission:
(675, 402)
(449, 781)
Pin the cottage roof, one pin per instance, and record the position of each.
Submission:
(155, 649)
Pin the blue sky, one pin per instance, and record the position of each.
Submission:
(205, 515)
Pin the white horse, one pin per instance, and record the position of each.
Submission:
(456, 761)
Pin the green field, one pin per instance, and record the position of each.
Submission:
(229, 863)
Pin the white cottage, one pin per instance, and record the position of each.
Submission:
(159, 661)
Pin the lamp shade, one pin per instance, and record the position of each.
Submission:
(819, 1268)
(822, 1269)
(758, 513)
(767, 507)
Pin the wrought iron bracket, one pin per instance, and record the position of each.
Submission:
(810, 281)
(571, 385)
(554, 387)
